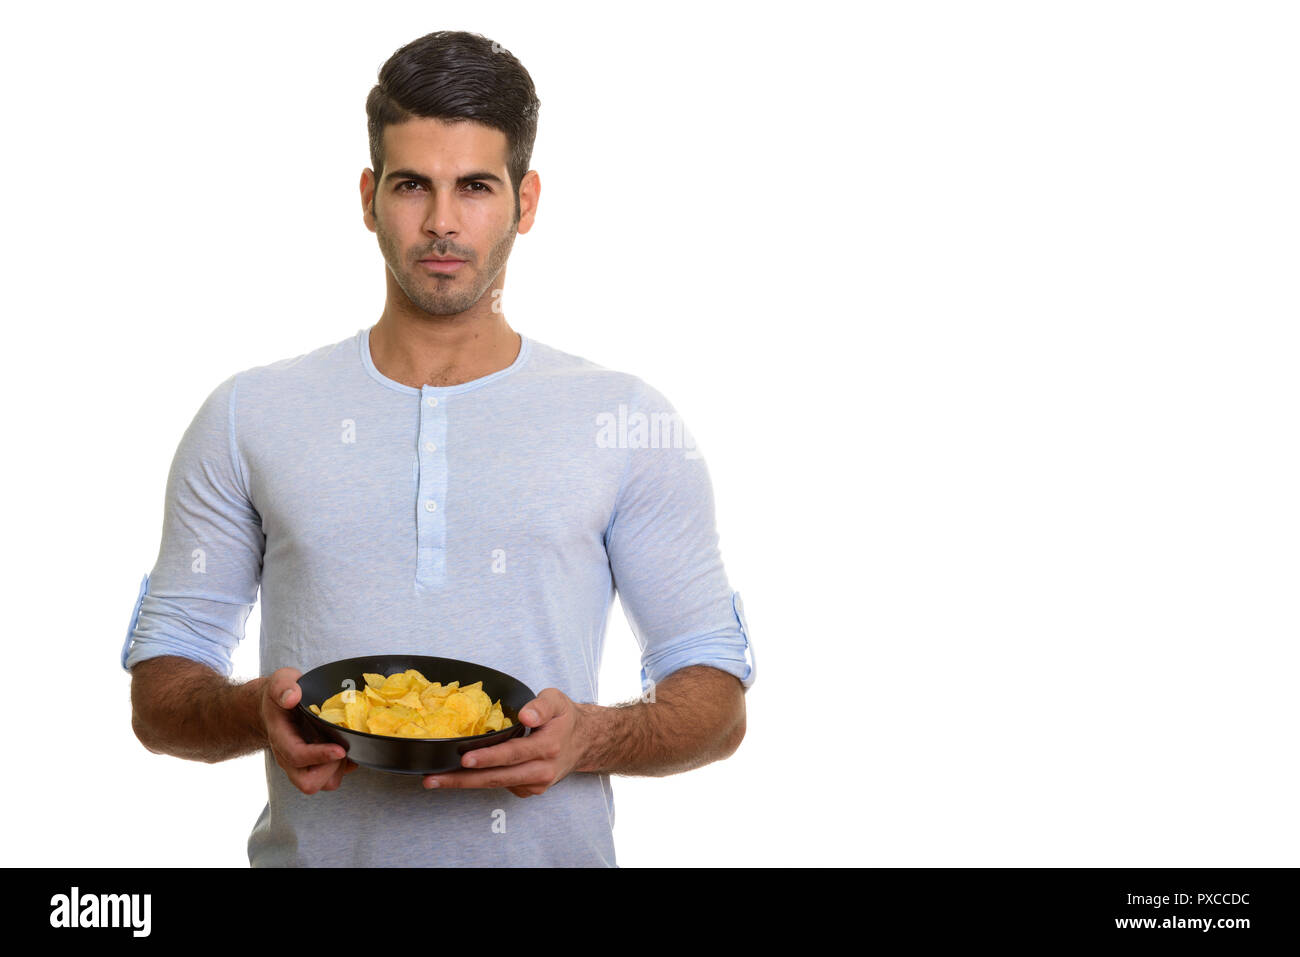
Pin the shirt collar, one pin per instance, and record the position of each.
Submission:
(363, 341)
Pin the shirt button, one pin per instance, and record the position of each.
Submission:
(430, 447)
(432, 401)
(430, 505)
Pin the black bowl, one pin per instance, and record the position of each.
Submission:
(407, 755)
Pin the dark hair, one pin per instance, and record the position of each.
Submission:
(453, 75)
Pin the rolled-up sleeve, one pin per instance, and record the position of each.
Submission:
(663, 551)
(198, 597)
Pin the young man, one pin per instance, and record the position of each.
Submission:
(440, 484)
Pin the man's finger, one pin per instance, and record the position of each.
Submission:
(514, 751)
(309, 780)
(297, 753)
(310, 755)
(337, 777)
(286, 739)
(531, 772)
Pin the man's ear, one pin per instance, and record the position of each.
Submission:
(530, 190)
(368, 198)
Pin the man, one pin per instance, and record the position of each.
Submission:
(440, 484)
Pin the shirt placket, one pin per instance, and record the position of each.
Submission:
(431, 501)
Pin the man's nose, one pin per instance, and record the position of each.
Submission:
(442, 217)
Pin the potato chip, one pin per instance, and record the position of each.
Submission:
(355, 711)
(383, 721)
(482, 703)
(395, 686)
(435, 691)
(407, 705)
(461, 707)
(444, 726)
(411, 700)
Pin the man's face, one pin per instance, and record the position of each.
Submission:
(445, 192)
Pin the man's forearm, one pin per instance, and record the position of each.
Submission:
(184, 708)
(697, 716)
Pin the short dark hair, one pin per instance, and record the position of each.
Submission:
(456, 76)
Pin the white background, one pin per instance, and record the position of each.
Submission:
(983, 315)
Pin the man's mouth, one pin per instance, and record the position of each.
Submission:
(438, 264)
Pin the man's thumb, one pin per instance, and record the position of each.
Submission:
(285, 687)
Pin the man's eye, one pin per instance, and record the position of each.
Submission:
(401, 187)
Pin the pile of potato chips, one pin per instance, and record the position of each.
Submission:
(408, 705)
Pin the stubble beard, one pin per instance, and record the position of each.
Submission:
(436, 296)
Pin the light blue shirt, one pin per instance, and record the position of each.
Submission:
(490, 521)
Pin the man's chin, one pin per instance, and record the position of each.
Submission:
(441, 309)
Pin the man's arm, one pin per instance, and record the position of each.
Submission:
(697, 717)
(184, 708)
(190, 617)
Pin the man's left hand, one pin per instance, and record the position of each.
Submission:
(526, 765)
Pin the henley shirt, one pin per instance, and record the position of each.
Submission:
(490, 521)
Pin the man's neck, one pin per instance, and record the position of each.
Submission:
(442, 351)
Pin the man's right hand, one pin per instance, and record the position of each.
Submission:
(311, 767)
